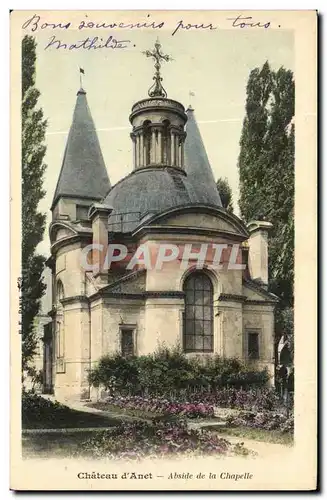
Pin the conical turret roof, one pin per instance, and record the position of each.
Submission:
(197, 166)
(83, 173)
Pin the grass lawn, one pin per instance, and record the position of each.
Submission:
(64, 418)
(275, 436)
(53, 445)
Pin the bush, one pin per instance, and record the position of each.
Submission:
(264, 420)
(36, 409)
(167, 371)
(136, 441)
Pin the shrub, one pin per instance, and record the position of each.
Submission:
(263, 420)
(165, 371)
(35, 409)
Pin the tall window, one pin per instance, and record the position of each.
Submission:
(253, 345)
(127, 342)
(198, 316)
(60, 334)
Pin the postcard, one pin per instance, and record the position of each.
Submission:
(163, 250)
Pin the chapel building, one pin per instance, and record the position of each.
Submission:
(169, 199)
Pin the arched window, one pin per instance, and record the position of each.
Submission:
(198, 315)
(59, 293)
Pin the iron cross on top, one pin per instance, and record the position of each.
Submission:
(157, 89)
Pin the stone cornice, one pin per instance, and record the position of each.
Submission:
(70, 240)
(230, 297)
(155, 104)
(260, 289)
(240, 229)
(260, 302)
(141, 296)
(74, 299)
(199, 231)
(128, 277)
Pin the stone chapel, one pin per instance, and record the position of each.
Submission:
(170, 197)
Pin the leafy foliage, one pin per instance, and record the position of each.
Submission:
(264, 420)
(266, 169)
(167, 370)
(38, 412)
(157, 440)
(31, 284)
(225, 192)
(159, 406)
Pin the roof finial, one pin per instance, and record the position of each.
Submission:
(157, 90)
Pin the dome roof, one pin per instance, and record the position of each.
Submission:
(151, 191)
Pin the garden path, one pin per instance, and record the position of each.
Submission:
(261, 448)
(81, 406)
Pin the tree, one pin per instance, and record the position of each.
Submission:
(225, 192)
(32, 287)
(266, 169)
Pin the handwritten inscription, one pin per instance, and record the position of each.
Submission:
(247, 22)
(88, 44)
(35, 23)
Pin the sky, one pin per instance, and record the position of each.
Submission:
(214, 66)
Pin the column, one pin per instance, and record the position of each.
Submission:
(153, 146)
(172, 149)
(141, 150)
(137, 149)
(159, 156)
(134, 150)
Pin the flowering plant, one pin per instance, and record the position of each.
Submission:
(136, 441)
(162, 406)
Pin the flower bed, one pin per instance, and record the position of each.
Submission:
(161, 439)
(251, 399)
(162, 406)
(264, 420)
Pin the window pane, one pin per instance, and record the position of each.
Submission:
(207, 328)
(199, 343)
(199, 283)
(189, 342)
(190, 312)
(189, 284)
(199, 312)
(198, 327)
(189, 327)
(206, 283)
(199, 297)
(207, 313)
(253, 345)
(207, 299)
(190, 296)
(127, 345)
(207, 343)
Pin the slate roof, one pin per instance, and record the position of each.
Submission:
(83, 173)
(197, 165)
(154, 190)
